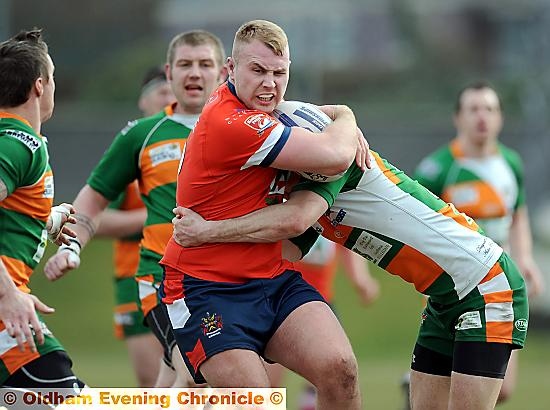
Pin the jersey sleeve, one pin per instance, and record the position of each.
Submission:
(250, 138)
(17, 165)
(515, 162)
(327, 190)
(119, 165)
(430, 173)
(305, 241)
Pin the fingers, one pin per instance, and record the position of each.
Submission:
(59, 264)
(64, 236)
(41, 306)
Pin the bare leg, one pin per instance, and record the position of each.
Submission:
(312, 343)
(473, 392)
(235, 368)
(429, 391)
(145, 351)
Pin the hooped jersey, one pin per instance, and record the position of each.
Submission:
(126, 250)
(26, 172)
(489, 189)
(147, 150)
(224, 174)
(399, 225)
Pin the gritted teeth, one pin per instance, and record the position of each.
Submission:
(266, 97)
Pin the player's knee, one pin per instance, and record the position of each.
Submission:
(340, 377)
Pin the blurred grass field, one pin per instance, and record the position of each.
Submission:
(382, 335)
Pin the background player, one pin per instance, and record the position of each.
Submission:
(484, 179)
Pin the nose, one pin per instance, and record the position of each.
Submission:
(195, 70)
(269, 80)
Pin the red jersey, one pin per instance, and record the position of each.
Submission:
(224, 174)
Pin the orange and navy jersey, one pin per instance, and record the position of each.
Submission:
(318, 267)
(126, 250)
(225, 173)
(27, 175)
(489, 189)
(147, 150)
(399, 225)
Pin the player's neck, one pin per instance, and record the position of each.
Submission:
(180, 109)
(26, 112)
(481, 150)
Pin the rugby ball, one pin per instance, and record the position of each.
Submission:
(305, 115)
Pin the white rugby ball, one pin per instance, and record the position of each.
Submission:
(305, 115)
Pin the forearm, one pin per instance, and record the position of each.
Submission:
(117, 223)
(521, 241)
(89, 205)
(6, 282)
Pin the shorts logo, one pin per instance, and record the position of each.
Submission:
(469, 320)
(259, 122)
(211, 325)
(521, 325)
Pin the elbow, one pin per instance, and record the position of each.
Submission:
(296, 225)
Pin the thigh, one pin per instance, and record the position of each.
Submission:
(429, 391)
(235, 368)
(310, 337)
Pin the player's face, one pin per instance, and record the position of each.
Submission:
(479, 120)
(155, 99)
(193, 75)
(259, 75)
(47, 98)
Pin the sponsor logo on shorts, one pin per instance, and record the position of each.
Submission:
(521, 325)
(469, 320)
(32, 142)
(211, 325)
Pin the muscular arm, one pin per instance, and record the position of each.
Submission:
(115, 223)
(329, 152)
(270, 224)
(521, 247)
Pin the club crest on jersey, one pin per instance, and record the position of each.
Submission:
(259, 122)
(211, 325)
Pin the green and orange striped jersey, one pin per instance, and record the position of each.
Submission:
(126, 250)
(399, 225)
(489, 189)
(149, 150)
(26, 172)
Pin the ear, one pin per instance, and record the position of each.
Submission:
(223, 73)
(39, 87)
(230, 67)
(168, 71)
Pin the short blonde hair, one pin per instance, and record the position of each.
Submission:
(265, 31)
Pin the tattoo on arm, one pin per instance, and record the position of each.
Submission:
(87, 223)
(3, 191)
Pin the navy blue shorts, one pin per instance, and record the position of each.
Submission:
(216, 316)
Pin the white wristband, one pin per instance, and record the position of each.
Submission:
(56, 215)
(74, 251)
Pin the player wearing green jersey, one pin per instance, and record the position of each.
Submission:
(149, 150)
(484, 179)
(128, 212)
(477, 306)
(27, 218)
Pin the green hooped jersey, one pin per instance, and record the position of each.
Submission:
(399, 225)
(149, 150)
(489, 189)
(25, 170)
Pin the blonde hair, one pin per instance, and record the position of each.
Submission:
(265, 31)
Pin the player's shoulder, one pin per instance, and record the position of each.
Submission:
(511, 156)
(436, 162)
(142, 126)
(14, 135)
